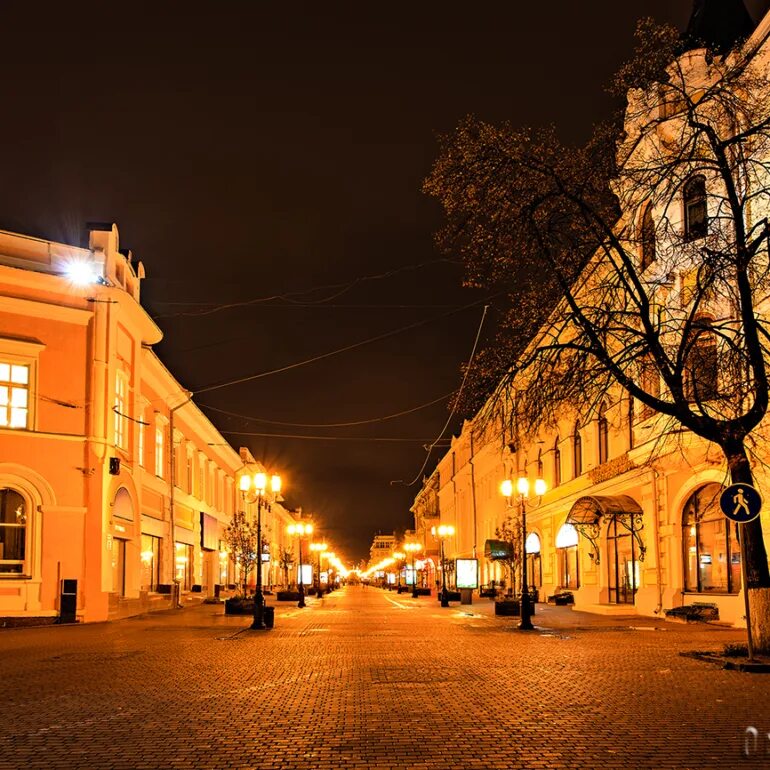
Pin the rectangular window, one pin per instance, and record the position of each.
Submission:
(120, 408)
(160, 437)
(142, 427)
(183, 565)
(150, 562)
(14, 395)
(190, 469)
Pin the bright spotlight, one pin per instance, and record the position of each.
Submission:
(81, 272)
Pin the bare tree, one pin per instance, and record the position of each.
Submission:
(640, 259)
(510, 533)
(241, 539)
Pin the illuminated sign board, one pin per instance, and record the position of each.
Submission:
(306, 576)
(467, 572)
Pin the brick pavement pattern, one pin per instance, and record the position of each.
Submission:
(372, 680)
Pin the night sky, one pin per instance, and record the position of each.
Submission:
(275, 151)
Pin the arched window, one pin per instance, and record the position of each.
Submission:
(603, 432)
(712, 554)
(13, 532)
(534, 563)
(701, 375)
(567, 556)
(695, 214)
(556, 463)
(647, 238)
(577, 452)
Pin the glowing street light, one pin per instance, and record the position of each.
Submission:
(300, 530)
(413, 548)
(523, 487)
(318, 548)
(444, 531)
(253, 491)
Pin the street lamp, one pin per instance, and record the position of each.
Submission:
(444, 531)
(399, 557)
(300, 530)
(318, 548)
(523, 488)
(413, 548)
(253, 490)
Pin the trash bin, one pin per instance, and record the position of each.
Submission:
(268, 614)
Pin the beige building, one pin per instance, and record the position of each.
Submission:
(115, 488)
(630, 516)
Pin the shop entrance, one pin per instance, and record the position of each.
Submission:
(622, 564)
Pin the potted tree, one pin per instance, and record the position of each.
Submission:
(287, 594)
(241, 539)
(509, 539)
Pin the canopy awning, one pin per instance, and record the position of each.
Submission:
(589, 509)
(587, 512)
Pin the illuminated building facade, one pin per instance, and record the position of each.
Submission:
(115, 488)
(630, 518)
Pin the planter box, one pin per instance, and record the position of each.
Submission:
(453, 596)
(508, 607)
(287, 596)
(239, 606)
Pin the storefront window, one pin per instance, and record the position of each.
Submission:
(150, 562)
(567, 556)
(534, 564)
(712, 556)
(13, 532)
(183, 565)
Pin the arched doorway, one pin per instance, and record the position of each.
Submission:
(623, 537)
(534, 562)
(567, 556)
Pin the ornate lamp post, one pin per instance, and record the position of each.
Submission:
(399, 557)
(300, 530)
(253, 491)
(318, 548)
(413, 548)
(444, 531)
(523, 488)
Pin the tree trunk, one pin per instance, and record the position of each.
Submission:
(757, 572)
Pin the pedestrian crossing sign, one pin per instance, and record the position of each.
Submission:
(741, 503)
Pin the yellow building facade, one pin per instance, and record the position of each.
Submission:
(115, 488)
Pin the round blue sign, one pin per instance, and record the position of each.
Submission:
(740, 503)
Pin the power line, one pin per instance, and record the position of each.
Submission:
(457, 400)
(208, 308)
(328, 424)
(320, 357)
(323, 438)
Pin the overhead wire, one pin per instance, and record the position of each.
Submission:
(457, 400)
(323, 438)
(353, 346)
(328, 424)
(208, 308)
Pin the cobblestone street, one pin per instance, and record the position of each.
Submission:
(371, 679)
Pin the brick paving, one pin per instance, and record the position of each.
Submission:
(374, 680)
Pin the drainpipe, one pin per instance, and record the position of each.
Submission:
(171, 499)
(656, 535)
(473, 497)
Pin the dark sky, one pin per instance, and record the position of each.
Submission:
(259, 149)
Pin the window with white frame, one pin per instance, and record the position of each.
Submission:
(120, 408)
(160, 447)
(14, 395)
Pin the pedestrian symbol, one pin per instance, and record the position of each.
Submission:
(740, 503)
